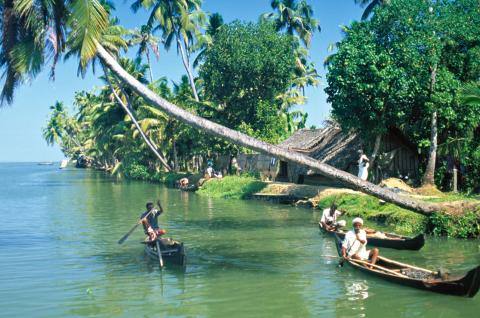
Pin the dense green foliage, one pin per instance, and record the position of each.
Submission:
(465, 226)
(244, 71)
(381, 77)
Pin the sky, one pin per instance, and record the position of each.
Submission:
(21, 123)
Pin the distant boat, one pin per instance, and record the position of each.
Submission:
(63, 164)
(45, 163)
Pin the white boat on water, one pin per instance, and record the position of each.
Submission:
(63, 164)
(45, 163)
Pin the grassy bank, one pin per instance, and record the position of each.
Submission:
(231, 187)
(140, 172)
(395, 218)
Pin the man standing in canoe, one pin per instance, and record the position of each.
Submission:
(150, 222)
(354, 244)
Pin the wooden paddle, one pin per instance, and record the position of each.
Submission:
(159, 250)
(124, 238)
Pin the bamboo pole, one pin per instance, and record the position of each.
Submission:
(405, 265)
(379, 267)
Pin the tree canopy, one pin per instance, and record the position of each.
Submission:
(245, 70)
(381, 75)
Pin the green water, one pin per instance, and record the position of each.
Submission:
(59, 256)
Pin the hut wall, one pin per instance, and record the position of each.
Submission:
(256, 163)
(405, 161)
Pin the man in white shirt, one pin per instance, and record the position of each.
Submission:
(363, 164)
(329, 218)
(354, 244)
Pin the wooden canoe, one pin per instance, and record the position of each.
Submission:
(389, 241)
(466, 285)
(173, 252)
(189, 188)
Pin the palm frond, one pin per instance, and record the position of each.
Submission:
(90, 20)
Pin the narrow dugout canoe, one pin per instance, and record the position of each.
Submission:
(466, 285)
(189, 188)
(173, 252)
(389, 241)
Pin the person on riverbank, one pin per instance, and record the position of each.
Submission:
(363, 164)
(149, 220)
(209, 172)
(183, 182)
(329, 218)
(355, 242)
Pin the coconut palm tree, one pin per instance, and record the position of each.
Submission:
(370, 5)
(146, 41)
(124, 99)
(215, 21)
(88, 21)
(295, 17)
(180, 21)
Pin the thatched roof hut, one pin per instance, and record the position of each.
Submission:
(337, 148)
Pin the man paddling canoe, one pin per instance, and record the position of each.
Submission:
(354, 244)
(150, 223)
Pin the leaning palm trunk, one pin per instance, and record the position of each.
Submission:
(254, 144)
(137, 125)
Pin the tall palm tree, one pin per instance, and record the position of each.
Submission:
(146, 41)
(63, 130)
(124, 100)
(295, 17)
(370, 6)
(88, 21)
(181, 22)
(215, 22)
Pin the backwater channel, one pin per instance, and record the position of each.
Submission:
(59, 256)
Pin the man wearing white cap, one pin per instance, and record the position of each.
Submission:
(354, 244)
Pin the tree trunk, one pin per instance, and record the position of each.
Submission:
(149, 66)
(376, 149)
(186, 64)
(175, 157)
(429, 175)
(137, 125)
(455, 178)
(425, 208)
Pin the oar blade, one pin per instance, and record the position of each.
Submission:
(124, 238)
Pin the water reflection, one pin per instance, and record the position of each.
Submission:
(356, 291)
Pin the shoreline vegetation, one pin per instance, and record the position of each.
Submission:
(353, 203)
